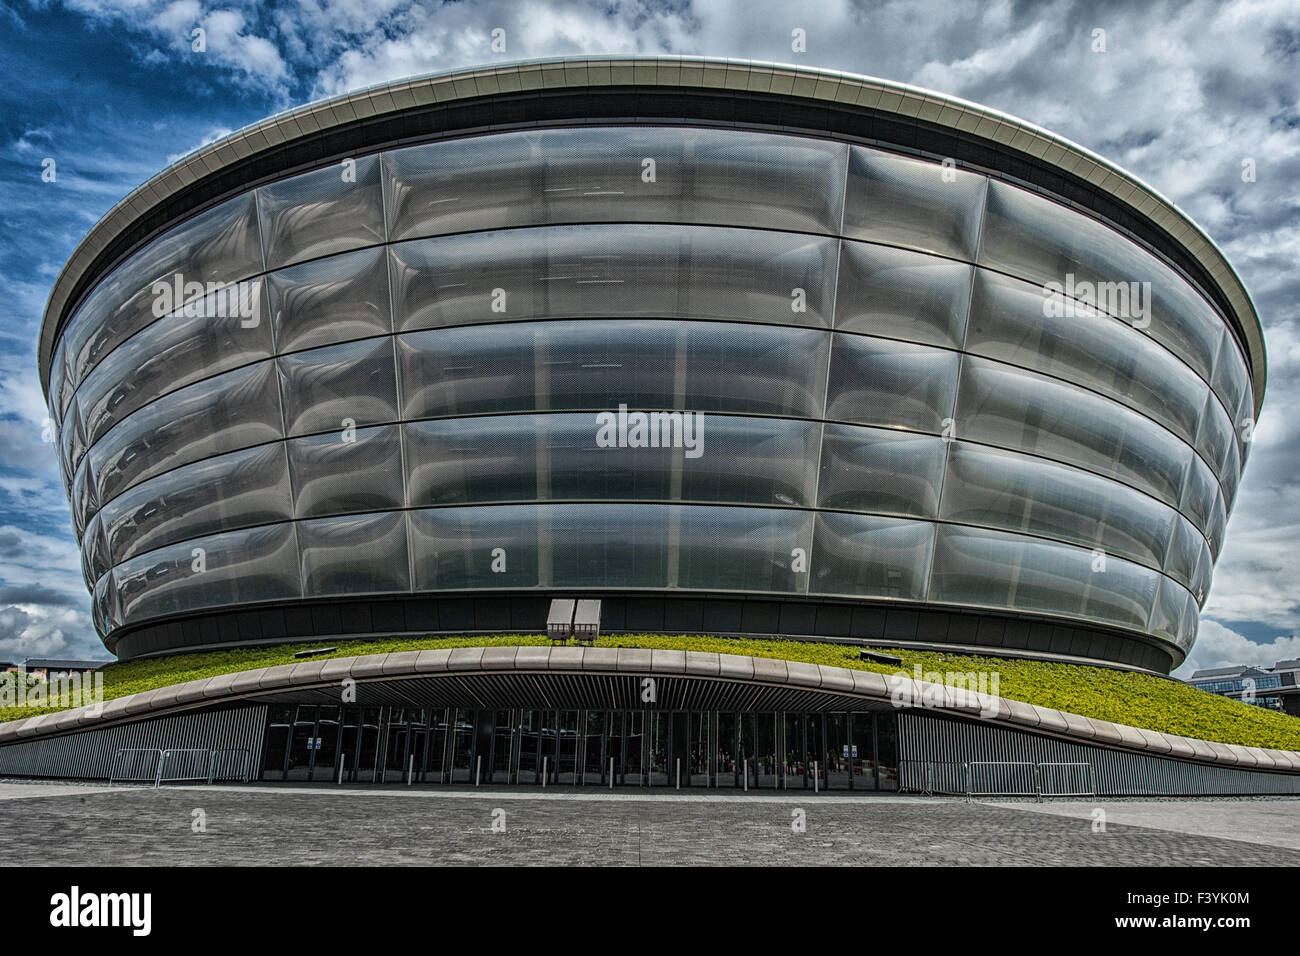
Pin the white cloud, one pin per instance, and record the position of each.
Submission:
(1220, 646)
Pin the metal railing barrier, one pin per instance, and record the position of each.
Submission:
(1078, 780)
(183, 766)
(133, 771)
(931, 777)
(159, 766)
(220, 765)
(1006, 778)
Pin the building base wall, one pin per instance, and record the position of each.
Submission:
(876, 750)
(648, 613)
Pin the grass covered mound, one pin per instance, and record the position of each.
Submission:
(1139, 700)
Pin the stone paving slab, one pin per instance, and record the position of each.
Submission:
(1265, 822)
(401, 826)
(26, 790)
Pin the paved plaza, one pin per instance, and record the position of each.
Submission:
(87, 824)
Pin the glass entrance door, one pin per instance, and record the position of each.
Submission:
(594, 765)
(275, 744)
(529, 769)
(794, 760)
(864, 765)
(312, 742)
(326, 754)
(766, 770)
(698, 772)
(725, 772)
(838, 751)
(503, 746)
(565, 759)
(657, 736)
(634, 748)
(302, 744)
(462, 749)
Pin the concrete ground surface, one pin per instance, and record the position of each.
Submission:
(1266, 822)
(72, 824)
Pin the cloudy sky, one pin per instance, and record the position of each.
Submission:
(1183, 93)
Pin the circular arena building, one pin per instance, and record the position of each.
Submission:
(735, 348)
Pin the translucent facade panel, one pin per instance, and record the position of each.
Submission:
(1167, 615)
(1180, 318)
(1015, 409)
(320, 213)
(453, 548)
(891, 384)
(96, 612)
(231, 491)
(902, 295)
(333, 300)
(1201, 580)
(701, 366)
(867, 556)
(1244, 424)
(1174, 617)
(599, 174)
(1215, 435)
(1183, 558)
(354, 554)
(1199, 495)
(1231, 476)
(237, 567)
(1188, 624)
(204, 339)
(998, 570)
(999, 489)
(65, 478)
(1231, 377)
(219, 245)
(87, 574)
(84, 500)
(609, 545)
(72, 437)
(605, 271)
(1218, 524)
(94, 553)
(880, 471)
(330, 388)
(1041, 240)
(910, 202)
(67, 386)
(220, 414)
(95, 543)
(558, 457)
(105, 606)
(1015, 321)
(337, 473)
(58, 375)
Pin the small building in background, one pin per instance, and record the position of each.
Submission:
(1273, 687)
(52, 668)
